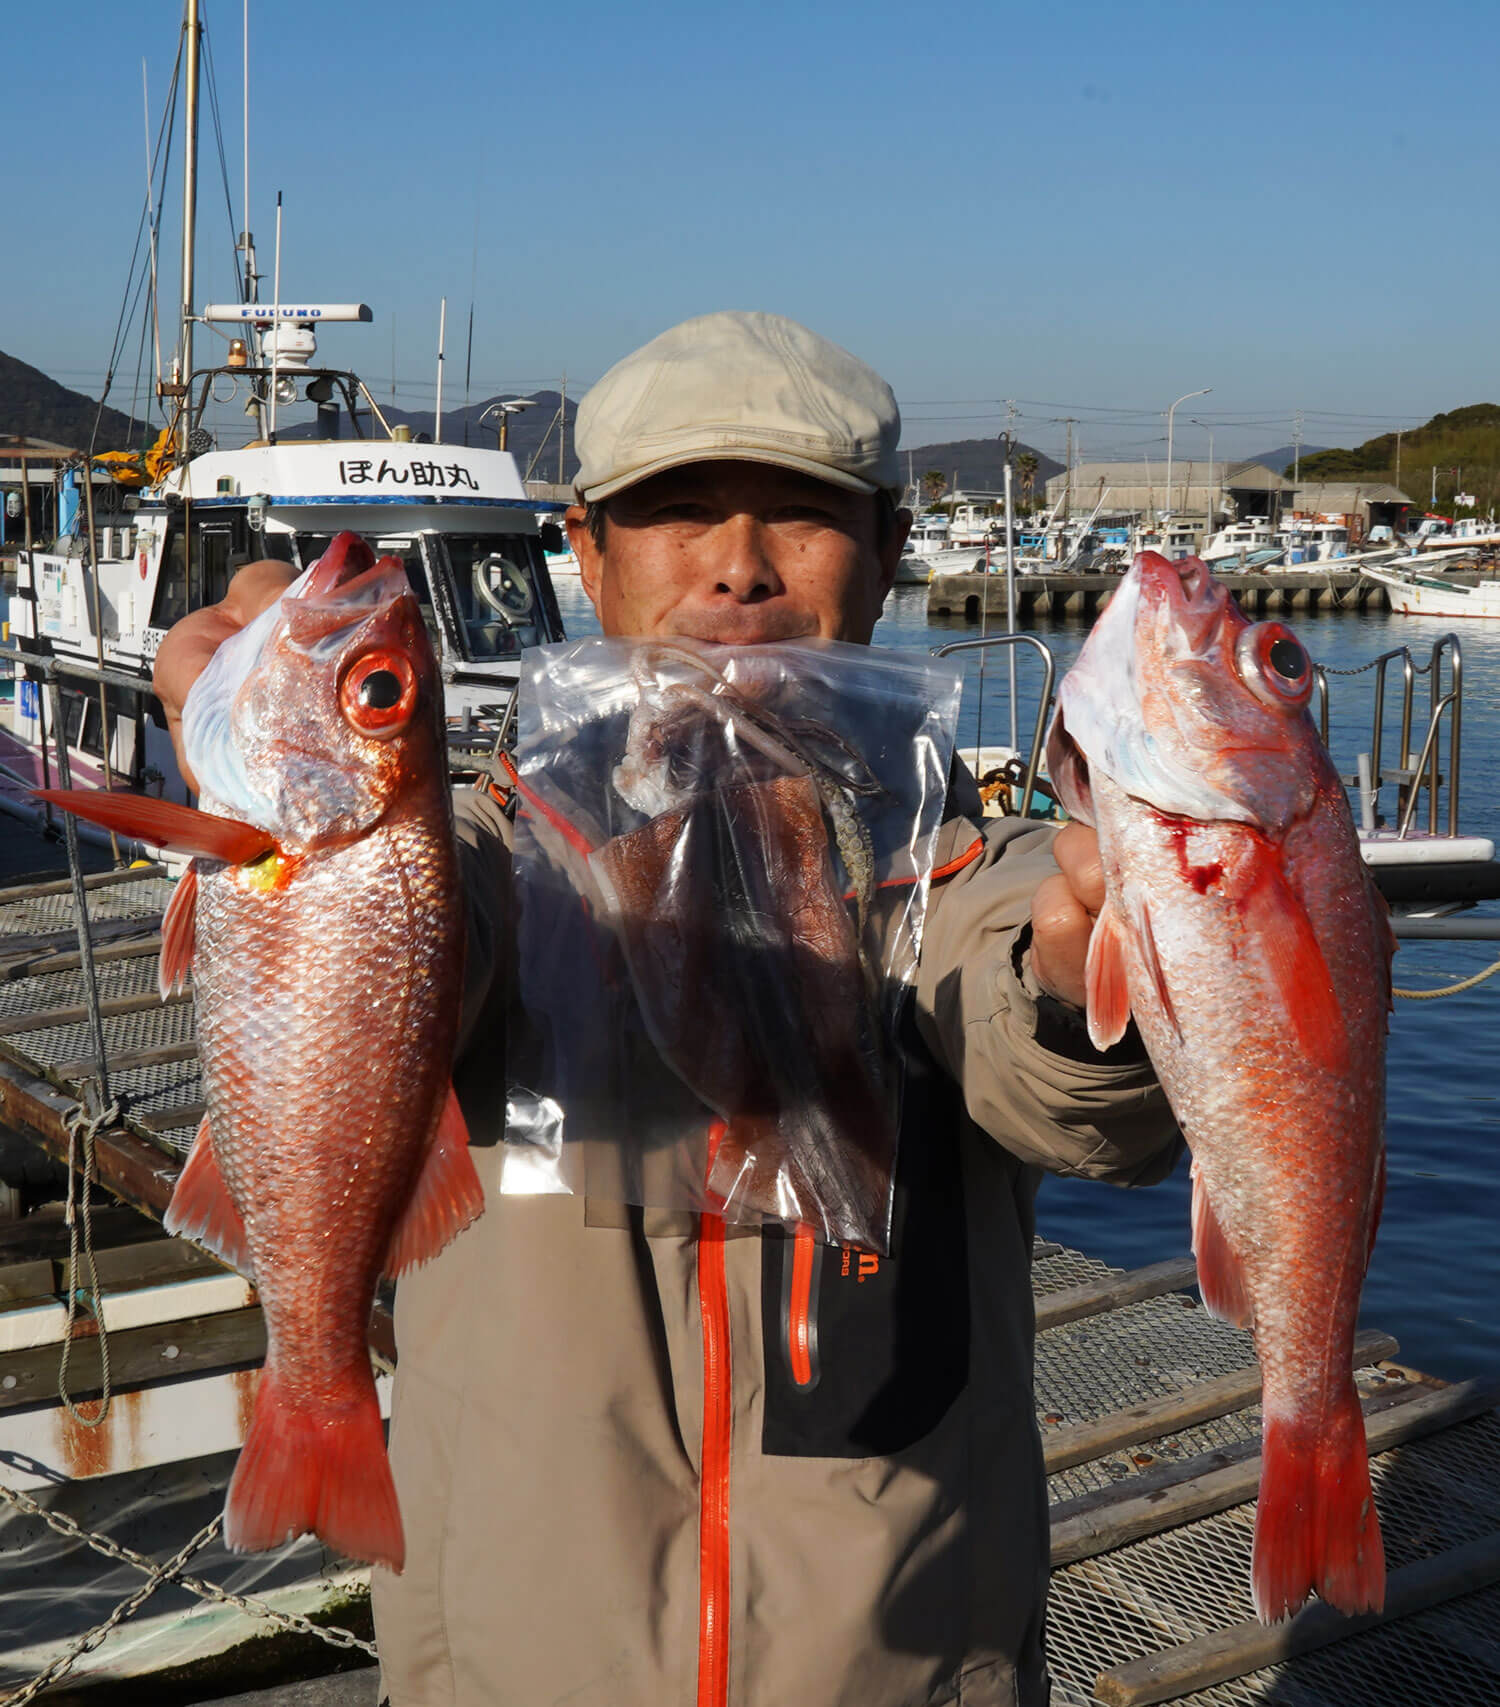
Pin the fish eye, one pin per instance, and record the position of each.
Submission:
(379, 694)
(380, 690)
(1274, 665)
(1287, 657)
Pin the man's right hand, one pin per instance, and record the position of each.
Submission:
(190, 643)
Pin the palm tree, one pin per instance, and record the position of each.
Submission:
(1028, 464)
(934, 484)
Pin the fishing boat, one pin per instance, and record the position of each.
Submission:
(1415, 591)
(187, 513)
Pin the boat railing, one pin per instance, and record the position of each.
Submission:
(1044, 703)
(49, 672)
(1420, 769)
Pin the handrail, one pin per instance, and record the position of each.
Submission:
(1044, 704)
(1427, 770)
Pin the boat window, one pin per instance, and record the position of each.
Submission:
(216, 563)
(171, 601)
(496, 591)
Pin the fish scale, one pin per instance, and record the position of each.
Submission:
(1243, 935)
(322, 923)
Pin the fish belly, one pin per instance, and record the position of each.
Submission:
(326, 1016)
(1285, 1130)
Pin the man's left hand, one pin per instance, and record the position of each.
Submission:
(1063, 911)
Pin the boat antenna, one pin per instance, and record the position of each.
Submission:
(245, 150)
(437, 423)
(468, 369)
(275, 321)
(194, 42)
(151, 227)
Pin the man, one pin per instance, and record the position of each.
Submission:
(617, 1488)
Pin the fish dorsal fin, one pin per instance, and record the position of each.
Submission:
(1377, 1205)
(1278, 931)
(1221, 1275)
(447, 1196)
(1104, 980)
(179, 932)
(203, 1211)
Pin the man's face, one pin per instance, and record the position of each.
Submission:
(741, 553)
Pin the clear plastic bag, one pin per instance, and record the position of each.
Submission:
(721, 864)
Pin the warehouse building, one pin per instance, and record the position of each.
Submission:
(1226, 491)
(1360, 504)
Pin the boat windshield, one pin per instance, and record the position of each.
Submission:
(487, 603)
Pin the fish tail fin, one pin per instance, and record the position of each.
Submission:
(1315, 1525)
(323, 1473)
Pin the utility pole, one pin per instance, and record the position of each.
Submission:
(1398, 458)
(1297, 448)
(562, 428)
(1070, 423)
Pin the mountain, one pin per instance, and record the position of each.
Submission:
(1463, 444)
(975, 464)
(1284, 456)
(33, 406)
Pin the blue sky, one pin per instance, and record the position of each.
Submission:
(1089, 208)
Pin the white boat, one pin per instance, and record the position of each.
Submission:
(1248, 544)
(1415, 592)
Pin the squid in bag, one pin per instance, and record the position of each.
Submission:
(748, 833)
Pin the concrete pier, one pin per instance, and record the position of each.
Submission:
(1259, 594)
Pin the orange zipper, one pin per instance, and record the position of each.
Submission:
(799, 1332)
(713, 1510)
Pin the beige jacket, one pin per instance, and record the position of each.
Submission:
(622, 1489)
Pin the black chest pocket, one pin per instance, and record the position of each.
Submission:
(865, 1354)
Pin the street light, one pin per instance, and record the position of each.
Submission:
(1183, 399)
(1213, 508)
(513, 406)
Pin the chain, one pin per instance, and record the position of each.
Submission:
(1449, 989)
(66, 1660)
(66, 1526)
(83, 1128)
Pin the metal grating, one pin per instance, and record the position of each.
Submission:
(1433, 1494)
(124, 1034)
(42, 915)
(21, 997)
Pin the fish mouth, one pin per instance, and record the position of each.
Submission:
(1182, 595)
(344, 588)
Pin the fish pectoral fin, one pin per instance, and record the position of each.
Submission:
(1221, 1275)
(164, 823)
(447, 1198)
(203, 1211)
(1277, 927)
(1104, 980)
(179, 930)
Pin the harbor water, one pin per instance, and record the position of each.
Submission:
(1435, 1279)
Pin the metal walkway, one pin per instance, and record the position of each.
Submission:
(1148, 1407)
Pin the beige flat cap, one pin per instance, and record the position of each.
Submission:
(742, 387)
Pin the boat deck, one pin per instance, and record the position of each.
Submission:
(1148, 1408)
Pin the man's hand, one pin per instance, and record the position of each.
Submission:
(189, 645)
(1063, 911)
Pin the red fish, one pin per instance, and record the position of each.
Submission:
(1242, 932)
(323, 926)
